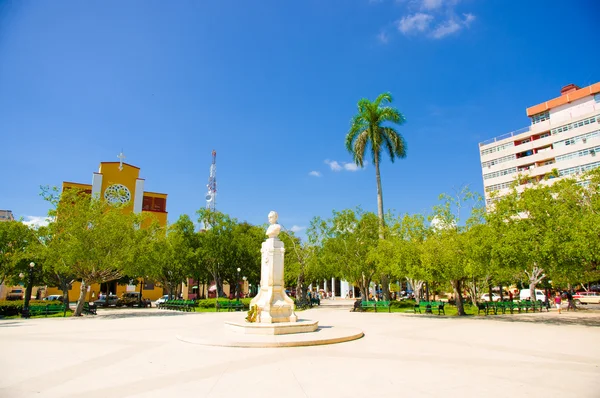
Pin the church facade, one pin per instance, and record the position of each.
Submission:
(119, 182)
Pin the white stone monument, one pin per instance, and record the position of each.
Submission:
(273, 303)
(276, 314)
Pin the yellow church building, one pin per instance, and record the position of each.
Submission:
(119, 182)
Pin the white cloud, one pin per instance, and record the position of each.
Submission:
(315, 173)
(433, 18)
(383, 37)
(335, 166)
(431, 4)
(468, 19)
(445, 29)
(297, 228)
(351, 167)
(418, 22)
(452, 26)
(36, 221)
(343, 166)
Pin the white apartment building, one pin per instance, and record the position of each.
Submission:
(564, 135)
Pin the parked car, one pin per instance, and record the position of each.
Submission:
(586, 298)
(101, 302)
(54, 297)
(15, 294)
(486, 297)
(539, 295)
(130, 299)
(161, 300)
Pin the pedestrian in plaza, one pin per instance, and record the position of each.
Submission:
(557, 301)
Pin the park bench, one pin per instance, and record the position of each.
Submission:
(429, 307)
(89, 309)
(48, 309)
(375, 305)
(231, 305)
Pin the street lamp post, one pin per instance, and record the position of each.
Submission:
(237, 285)
(25, 313)
(243, 283)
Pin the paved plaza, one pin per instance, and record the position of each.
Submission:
(135, 353)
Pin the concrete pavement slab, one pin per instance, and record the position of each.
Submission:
(135, 353)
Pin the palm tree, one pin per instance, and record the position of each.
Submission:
(368, 129)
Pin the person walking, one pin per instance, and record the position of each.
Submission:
(557, 301)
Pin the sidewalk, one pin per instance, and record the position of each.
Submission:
(135, 353)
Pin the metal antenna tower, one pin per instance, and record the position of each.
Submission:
(211, 195)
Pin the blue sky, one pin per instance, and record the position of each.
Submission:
(271, 85)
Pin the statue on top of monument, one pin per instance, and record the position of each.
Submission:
(274, 228)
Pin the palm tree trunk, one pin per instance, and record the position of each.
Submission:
(379, 198)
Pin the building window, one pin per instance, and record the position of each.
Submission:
(497, 187)
(575, 125)
(493, 162)
(597, 98)
(500, 173)
(497, 148)
(578, 169)
(540, 117)
(583, 138)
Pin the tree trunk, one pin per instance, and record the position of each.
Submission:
(535, 276)
(82, 292)
(379, 198)
(490, 291)
(501, 294)
(417, 286)
(472, 288)
(140, 298)
(299, 286)
(456, 285)
(64, 286)
(385, 286)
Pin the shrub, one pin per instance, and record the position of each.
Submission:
(212, 303)
(403, 304)
(15, 307)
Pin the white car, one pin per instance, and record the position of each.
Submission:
(486, 297)
(586, 298)
(539, 295)
(161, 299)
(54, 297)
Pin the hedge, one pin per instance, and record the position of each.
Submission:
(212, 303)
(15, 307)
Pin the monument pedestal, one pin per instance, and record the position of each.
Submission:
(279, 328)
(273, 303)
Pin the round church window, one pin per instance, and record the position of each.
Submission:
(117, 194)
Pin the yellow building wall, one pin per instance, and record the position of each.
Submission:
(94, 291)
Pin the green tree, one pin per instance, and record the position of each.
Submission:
(409, 233)
(370, 128)
(346, 240)
(91, 240)
(17, 247)
(446, 249)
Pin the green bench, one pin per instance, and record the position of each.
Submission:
(48, 309)
(375, 304)
(503, 306)
(231, 305)
(178, 305)
(429, 307)
(89, 309)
